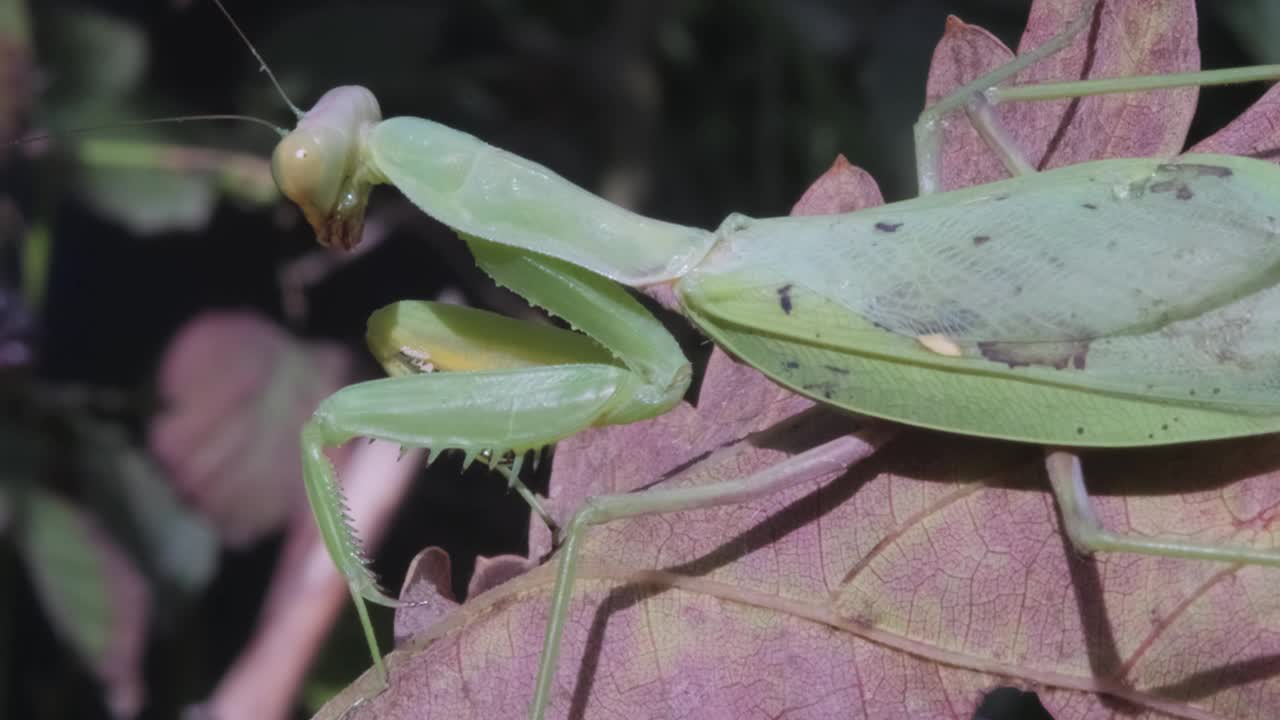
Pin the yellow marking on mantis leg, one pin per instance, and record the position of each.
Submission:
(940, 344)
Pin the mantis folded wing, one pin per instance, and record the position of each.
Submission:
(973, 311)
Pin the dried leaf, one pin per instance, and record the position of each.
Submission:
(428, 583)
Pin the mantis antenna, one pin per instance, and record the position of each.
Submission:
(187, 118)
(261, 62)
(149, 121)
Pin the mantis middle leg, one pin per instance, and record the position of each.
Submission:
(828, 459)
(978, 100)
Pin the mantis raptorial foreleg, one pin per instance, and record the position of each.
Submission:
(915, 312)
(520, 387)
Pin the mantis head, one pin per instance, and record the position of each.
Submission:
(319, 165)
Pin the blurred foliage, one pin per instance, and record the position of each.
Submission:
(683, 109)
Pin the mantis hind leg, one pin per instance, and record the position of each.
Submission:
(1088, 536)
(980, 97)
(971, 97)
(827, 458)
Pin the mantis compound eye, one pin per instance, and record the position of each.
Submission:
(317, 166)
(311, 168)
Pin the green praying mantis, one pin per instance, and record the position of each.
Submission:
(973, 311)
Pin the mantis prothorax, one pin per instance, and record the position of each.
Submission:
(918, 312)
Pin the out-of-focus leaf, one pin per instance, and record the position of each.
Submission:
(149, 202)
(99, 61)
(96, 599)
(177, 544)
(911, 586)
(17, 326)
(15, 331)
(237, 391)
(15, 68)
(154, 186)
(15, 23)
(6, 508)
(1256, 23)
(146, 183)
(306, 593)
(24, 450)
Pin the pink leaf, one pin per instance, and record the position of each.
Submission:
(428, 585)
(924, 577)
(906, 589)
(1133, 37)
(237, 391)
(1255, 133)
(427, 582)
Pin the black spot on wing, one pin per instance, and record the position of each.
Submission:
(826, 389)
(1178, 177)
(980, 240)
(1196, 170)
(784, 298)
(1057, 355)
(888, 226)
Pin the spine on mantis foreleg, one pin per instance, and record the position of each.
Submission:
(486, 192)
(328, 504)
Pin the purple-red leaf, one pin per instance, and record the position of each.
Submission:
(1255, 133)
(1132, 37)
(237, 391)
(927, 575)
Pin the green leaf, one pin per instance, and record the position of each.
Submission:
(97, 62)
(175, 543)
(149, 202)
(96, 599)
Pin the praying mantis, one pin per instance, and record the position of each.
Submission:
(970, 311)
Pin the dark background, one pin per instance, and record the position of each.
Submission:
(698, 108)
